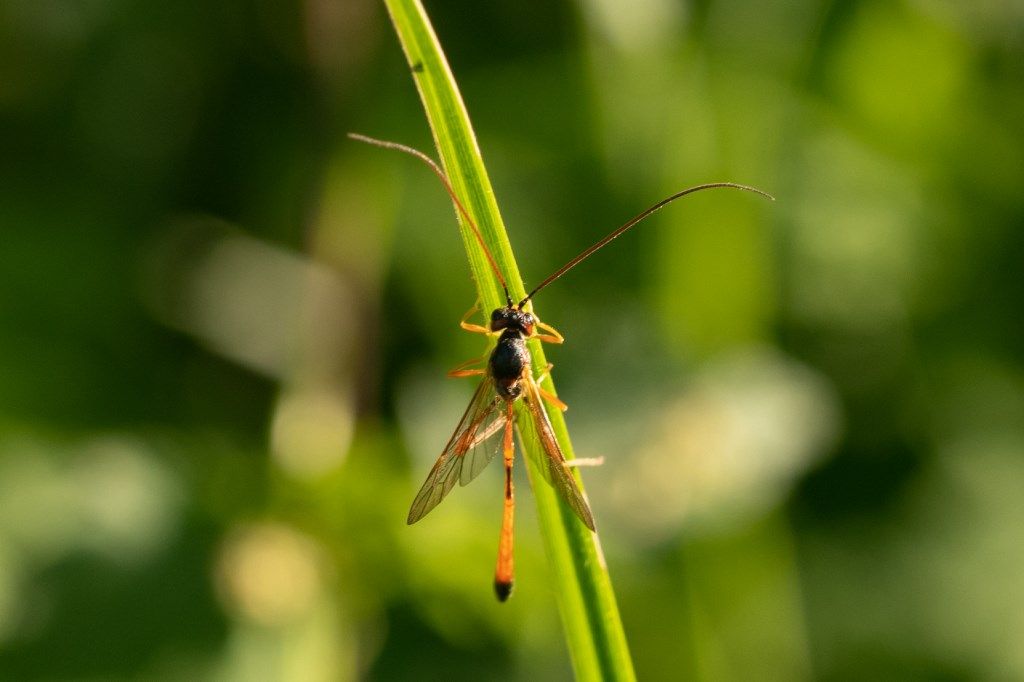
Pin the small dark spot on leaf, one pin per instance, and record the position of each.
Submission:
(417, 67)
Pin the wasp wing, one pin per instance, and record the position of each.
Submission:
(470, 449)
(555, 471)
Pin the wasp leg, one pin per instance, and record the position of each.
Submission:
(548, 395)
(463, 370)
(469, 326)
(585, 462)
(553, 399)
(544, 375)
(552, 335)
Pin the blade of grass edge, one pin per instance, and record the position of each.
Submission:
(582, 586)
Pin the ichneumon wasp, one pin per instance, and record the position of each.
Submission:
(486, 426)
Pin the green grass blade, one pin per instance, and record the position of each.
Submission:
(594, 633)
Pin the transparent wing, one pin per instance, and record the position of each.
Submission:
(470, 449)
(555, 471)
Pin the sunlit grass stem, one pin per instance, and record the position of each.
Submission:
(582, 587)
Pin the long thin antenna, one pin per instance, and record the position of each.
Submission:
(451, 192)
(633, 221)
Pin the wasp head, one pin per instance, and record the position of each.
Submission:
(511, 317)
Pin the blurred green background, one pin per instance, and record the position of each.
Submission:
(225, 329)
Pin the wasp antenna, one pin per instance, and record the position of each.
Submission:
(451, 192)
(630, 223)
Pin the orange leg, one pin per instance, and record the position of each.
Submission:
(552, 335)
(585, 462)
(462, 370)
(548, 395)
(544, 375)
(552, 399)
(469, 326)
(503, 572)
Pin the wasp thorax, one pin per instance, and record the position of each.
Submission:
(509, 317)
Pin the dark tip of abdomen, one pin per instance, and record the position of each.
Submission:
(502, 589)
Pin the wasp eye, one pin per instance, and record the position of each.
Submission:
(499, 319)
